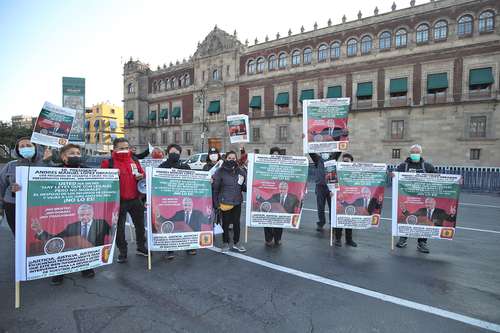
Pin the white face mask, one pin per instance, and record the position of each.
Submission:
(213, 157)
(325, 156)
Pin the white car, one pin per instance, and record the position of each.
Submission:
(197, 161)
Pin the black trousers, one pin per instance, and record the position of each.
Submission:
(420, 240)
(322, 197)
(231, 217)
(273, 234)
(338, 234)
(135, 208)
(10, 215)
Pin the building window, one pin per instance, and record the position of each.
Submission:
(464, 26)
(187, 80)
(480, 82)
(160, 85)
(282, 60)
(401, 38)
(130, 88)
(352, 47)
(256, 134)
(475, 154)
(155, 86)
(307, 56)
(322, 52)
(296, 58)
(437, 87)
(179, 82)
(283, 133)
(215, 75)
(188, 137)
(422, 33)
(152, 138)
(486, 21)
(384, 42)
(164, 138)
(397, 129)
(335, 50)
(177, 137)
(172, 83)
(271, 63)
(251, 67)
(203, 76)
(366, 45)
(440, 30)
(396, 153)
(477, 127)
(260, 65)
(227, 70)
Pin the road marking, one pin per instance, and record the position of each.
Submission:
(370, 293)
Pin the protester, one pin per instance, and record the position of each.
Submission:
(130, 172)
(229, 183)
(213, 158)
(139, 156)
(348, 232)
(157, 154)
(173, 162)
(28, 155)
(415, 163)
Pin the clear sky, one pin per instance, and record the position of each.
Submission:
(42, 41)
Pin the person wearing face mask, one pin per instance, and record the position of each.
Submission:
(228, 185)
(130, 172)
(415, 163)
(28, 156)
(213, 159)
(173, 162)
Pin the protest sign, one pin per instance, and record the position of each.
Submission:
(74, 98)
(238, 128)
(53, 126)
(331, 175)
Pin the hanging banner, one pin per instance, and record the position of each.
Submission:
(73, 96)
(238, 128)
(65, 220)
(325, 125)
(357, 203)
(179, 209)
(424, 205)
(53, 125)
(276, 188)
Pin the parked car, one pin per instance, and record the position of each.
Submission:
(197, 161)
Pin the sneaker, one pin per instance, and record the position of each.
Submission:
(225, 247)
(191, 252)
(239, 248)
(170, 255)
(57, 280)
(88, 273)
(351, 243)
(422, 247)
(122, 258)
(402, 243)
(338, 243)
(142, 251)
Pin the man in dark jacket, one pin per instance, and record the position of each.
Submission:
(415, 163)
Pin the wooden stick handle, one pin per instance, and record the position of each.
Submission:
(18, 294)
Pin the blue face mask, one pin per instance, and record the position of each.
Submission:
(415, 157)
(27, 152)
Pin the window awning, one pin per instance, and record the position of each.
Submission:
(306, 94)
(152, 115)
(334, 92)
(176, 112)
(437, 81)
(96, 123)
(365, 89)
(398, 85)
(112, 124)
(214, 107)
(163, 113)
(129, 115)
(282, 99)
(256, 102)
(480, 76)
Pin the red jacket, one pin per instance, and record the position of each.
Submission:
(128, 183)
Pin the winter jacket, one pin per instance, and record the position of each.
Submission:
(226, 188)
(128, 182)
(418, 167)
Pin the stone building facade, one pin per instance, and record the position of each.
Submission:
(426, 74)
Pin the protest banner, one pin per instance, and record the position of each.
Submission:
(146, 163)
(331, 175)
(73, 96)
(179, 209)
(65, 220)
(238, 128)
(357, 203)
(53, 125)
(276, 188)
(425, 205)
(325, 125)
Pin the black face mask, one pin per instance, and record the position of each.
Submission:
(230, 164)
(174, 157)
(74, 161)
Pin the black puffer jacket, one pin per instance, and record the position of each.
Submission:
(419, 167)
(226, 188)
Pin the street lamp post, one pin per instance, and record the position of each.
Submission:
(201, 100)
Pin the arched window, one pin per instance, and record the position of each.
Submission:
(366, 45)
(307, 56)
(384, 42)
(282, 60)
(251, 67)
(215, 74)
(440, 30)
(422, 33)
(296, 58)
(486, 21)
(352, 47)
(401, 38)
(322, 52)
(172, 83)
(464, 26)
(187, 80)
(130, 88)
(155, 86)
(260, 65)
(271, 62)
(179, 81)
(335, 50)
(160, 85)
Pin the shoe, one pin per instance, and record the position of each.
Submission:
(269, 244)
(338, 243)
(88, 273)
(170, 255)
(57, 280)
(319, 226)
(402, 243)
(225, 247)
(122, 258)
(277, 243)
(239, 248)
(191, 252)
(422, 247)
(142, 251)
(351, 243)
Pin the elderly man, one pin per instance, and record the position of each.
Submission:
(415, 163)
